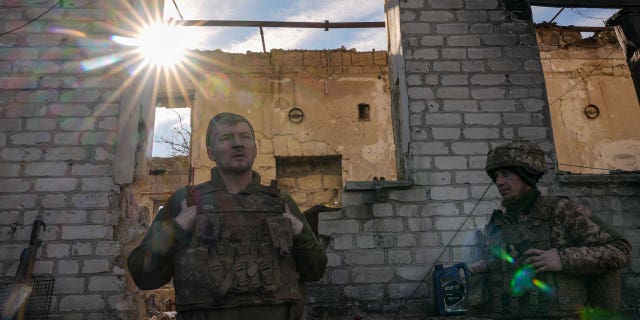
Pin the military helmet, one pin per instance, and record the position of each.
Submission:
(516, 154)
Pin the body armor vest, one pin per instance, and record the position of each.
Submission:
(513, 293)
(240, 253)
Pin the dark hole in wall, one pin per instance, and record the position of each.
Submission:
(364, 112)
(520, 9)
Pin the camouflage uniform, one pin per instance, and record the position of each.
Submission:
(153, 263)
(589, 250)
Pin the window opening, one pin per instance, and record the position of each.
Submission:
(364, 112)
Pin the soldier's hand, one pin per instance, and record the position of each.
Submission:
(478, 267)
(296, 224)
(187, 216)
(543, 260)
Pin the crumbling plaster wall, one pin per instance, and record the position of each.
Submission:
(580, 72)
(326, 85)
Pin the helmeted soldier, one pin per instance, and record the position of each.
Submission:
(235, 249)
(544, 256)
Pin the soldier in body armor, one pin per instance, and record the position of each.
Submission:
(235, 249)
(544, 257)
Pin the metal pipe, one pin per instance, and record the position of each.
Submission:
(277, 24)
(264, 48)
(557, 14)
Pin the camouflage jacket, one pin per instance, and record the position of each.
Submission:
(151, 263)
(585, 244)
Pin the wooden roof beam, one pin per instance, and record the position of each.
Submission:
(611, 4)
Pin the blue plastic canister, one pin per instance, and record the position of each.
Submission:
(450, 289)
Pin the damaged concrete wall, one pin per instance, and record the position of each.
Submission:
(582, 72)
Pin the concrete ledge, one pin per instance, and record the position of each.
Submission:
(622, 178)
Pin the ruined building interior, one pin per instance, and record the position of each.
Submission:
(391, 143)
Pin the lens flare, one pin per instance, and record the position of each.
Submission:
(215, 85)
(524, 280)
(162, 44)
(502, 254)
(67, 31)
(100, 62)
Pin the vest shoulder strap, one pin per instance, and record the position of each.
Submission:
(545, 206)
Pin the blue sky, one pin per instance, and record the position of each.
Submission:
(248, 39)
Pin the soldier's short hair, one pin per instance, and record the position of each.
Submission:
(225, 118)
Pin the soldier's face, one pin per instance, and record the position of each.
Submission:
(510, 185)
(233, 148)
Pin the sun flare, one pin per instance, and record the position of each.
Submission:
(163, 44)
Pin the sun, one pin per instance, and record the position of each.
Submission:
(162, 44)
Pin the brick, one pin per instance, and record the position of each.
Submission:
(97, 184)
(80, 96)
(431, 178)
(453, 93)
(445, 133)
(439, 209)
(81, 248)
(369, 275)
(461, 105)
(416, 27)
(81, 302)
(10, 125)
(432, 41)
(483, 28)
(14, 186)
(56, 184)
(424, 54)
(108, 123)
(65, 153)
(366, 293)
(421, 163)
(342, 242)
(30, 138)
(420, 93)
(66, 139)
(365, 257)
(365, 241)
(68, 267)
(384, 225)
(90, 201)
(419, 224)
(95, 266)
(383, 209)
(417, 66)
(17, 202)
(497, 105)
(52, 201)
(37, 96)
(430, 148)
(356, 212)
(452, 28)
(488, 79)
(436, 16)
(446, 66)
(69, 109)
(451, 162)
(78, 124)
(464, 177)
(484, 53)
(412, 273)
(338, 227)
(454, 53)
(517, 118)
(86, 232)
(488, 93)
(473, 66)
(471, 16)
(463, 41)
(41, 124)
(429, 255)
(60, 217)
(453, 79)
(504, 65)
(399, 257)
(482, 119)
(407, 210)
(481, 133)
(532, 133)
(443, 118)
(407, 16)
(470, 148)
(90, 170)
(449, 193)
(58, 250)
(481, 4)
(406, 240)
(69, 285)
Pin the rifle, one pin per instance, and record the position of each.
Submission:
(15, 306)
